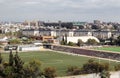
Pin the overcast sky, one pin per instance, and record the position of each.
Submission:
(65, 10)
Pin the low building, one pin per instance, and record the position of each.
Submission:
(30, 47)
(4, 41)
(47, 38)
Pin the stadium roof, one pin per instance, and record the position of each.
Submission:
(83, 38)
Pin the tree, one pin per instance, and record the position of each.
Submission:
(65, 39)
(63, 42)
(71, 44)
(32, 70)
(94, 67)
(96, 27)
(49, 72)
(1, 66)
(104, 74)
(1, 59)
(18, 34)
(15, 41)
(92, 42)
(117, 67)
(2, 75)
(11, 58)
(80, 42)
(73, 70)
(9, 33)
(15, 68)
(81, 27)
(118, 40)
(18, 66)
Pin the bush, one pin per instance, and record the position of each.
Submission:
(94, 67)
(15, 41)
(49, 72)
(71, 44)
(80, 42)
(15, 68)
(91, 42)
(73, 70)
(117, 67)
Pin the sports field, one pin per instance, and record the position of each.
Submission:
(113, 49)
(57, 60)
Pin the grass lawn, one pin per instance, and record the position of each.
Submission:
(114, 49)
(58, 60)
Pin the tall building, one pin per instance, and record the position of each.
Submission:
(34, 23)
(26, 23)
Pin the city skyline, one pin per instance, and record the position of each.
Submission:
(65, 10)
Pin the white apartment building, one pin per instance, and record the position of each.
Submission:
(47, 32)
(64, 32)
(116, 34)
(30, 32)
(70, 33)
(82, 33)
(102, 34)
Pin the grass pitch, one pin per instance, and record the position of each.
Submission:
(57, 60)
(113, 49)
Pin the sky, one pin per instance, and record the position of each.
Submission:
(64, 10)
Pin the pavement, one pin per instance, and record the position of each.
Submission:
(112, 75)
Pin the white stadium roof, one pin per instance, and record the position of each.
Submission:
(83, 38)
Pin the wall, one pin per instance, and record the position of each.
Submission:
(29, 48)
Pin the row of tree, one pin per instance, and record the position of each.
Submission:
(80, 42)
(92, 66)
(114, 41)
(16, 68)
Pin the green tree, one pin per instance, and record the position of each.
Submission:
(80, 42)
(1, 59)
(8, 72)
(73, 70)
(15, 68)
(118, 40)
(49, 72)
(71, 44)
(1, 67)
(11, 58)
(9, 33)
(104, 74)
(32, 70)
(92, 42)
(15, 41)
(117, 67)
(18, 66)
(94, 67)
(18, 34)
(64, 40)
(2, 75)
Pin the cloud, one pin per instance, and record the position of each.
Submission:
(59, 9)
